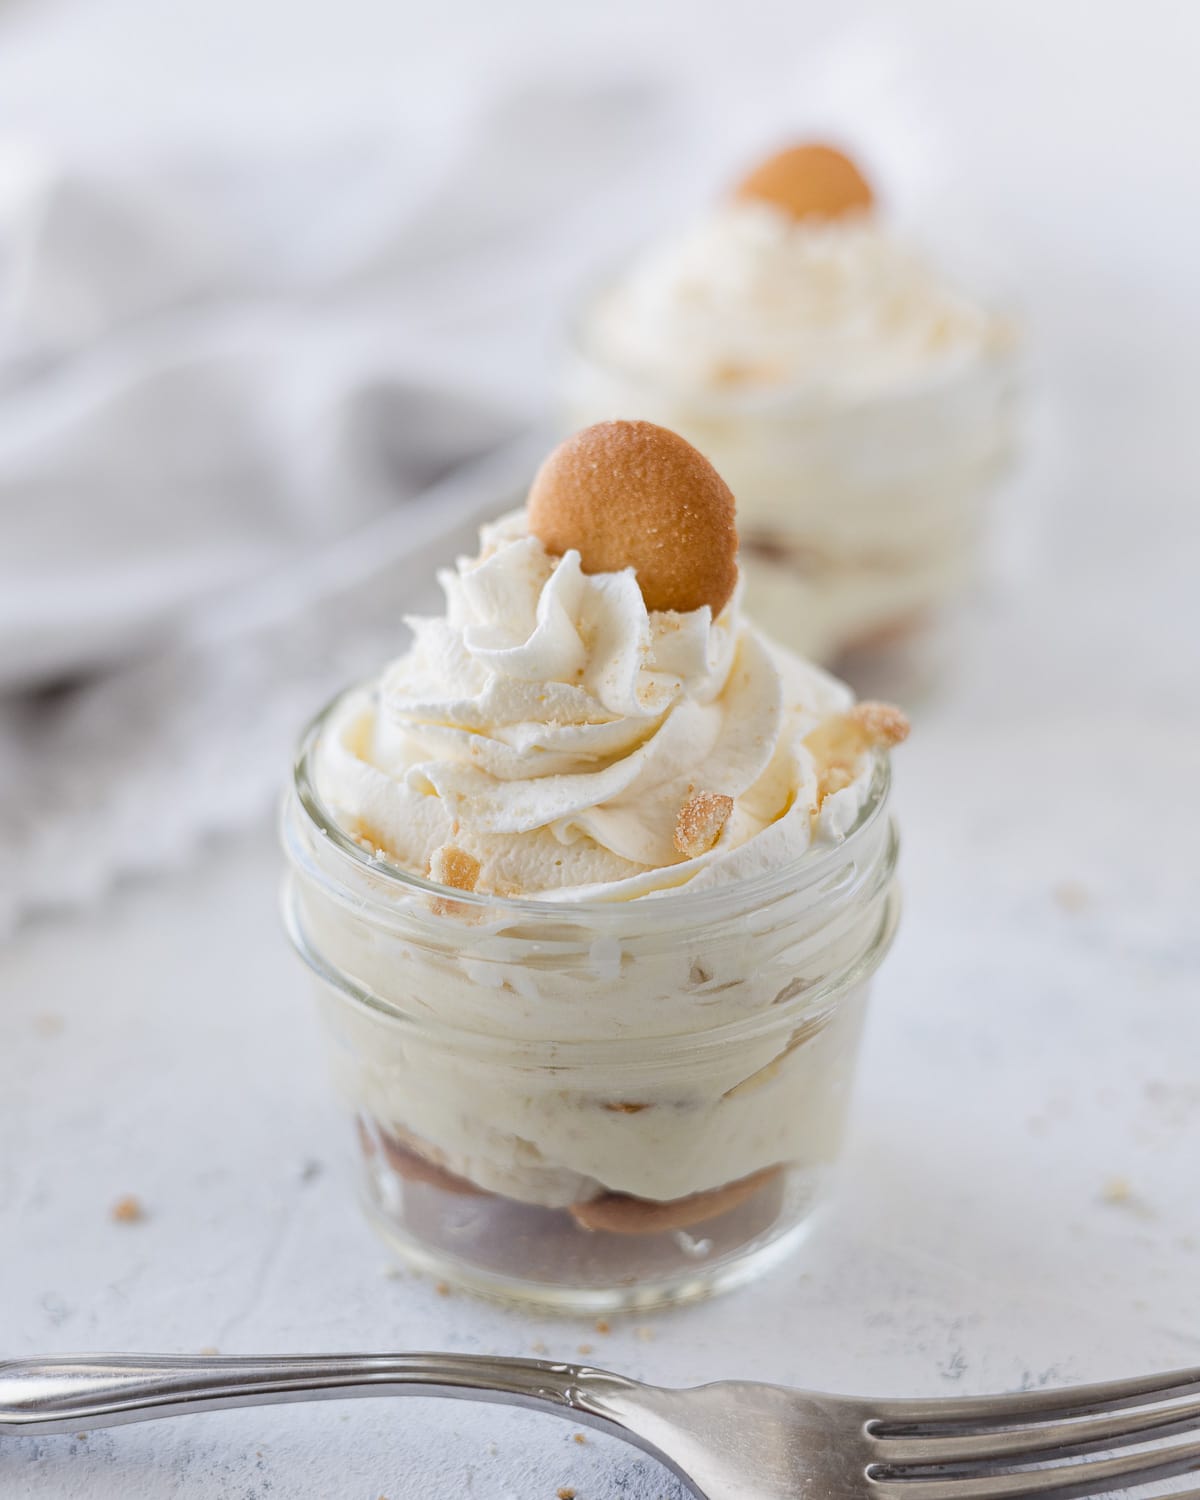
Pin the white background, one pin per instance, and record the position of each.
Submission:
(1033, 1052)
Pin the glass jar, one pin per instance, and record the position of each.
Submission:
(591, 1106)
(860, 519)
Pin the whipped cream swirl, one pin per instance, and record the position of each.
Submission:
(752, 298)
(552, 728)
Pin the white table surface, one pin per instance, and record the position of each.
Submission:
(1019, 1203)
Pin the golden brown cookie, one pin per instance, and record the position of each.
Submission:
(454, 867)
(883, 724)
(618, 1213)
(414, 1166)
(808, 182)
(700, 821)
(630, 494)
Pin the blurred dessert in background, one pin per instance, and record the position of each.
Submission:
(857, 401)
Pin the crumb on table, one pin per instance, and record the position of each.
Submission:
(127, 1210)
(1072, 896)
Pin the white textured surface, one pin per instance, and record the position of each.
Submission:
(1025, 1053)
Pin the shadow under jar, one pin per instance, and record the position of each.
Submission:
(591, 1106)
(860, 516)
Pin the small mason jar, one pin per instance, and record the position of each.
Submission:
(860, 518)
(591, 1106)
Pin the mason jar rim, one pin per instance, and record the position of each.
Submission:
(669, 906)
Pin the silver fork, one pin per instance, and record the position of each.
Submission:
(733, 1440)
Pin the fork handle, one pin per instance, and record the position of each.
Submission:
(77, 1393)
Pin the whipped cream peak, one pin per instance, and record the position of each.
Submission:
(551, 728)
(752, 297)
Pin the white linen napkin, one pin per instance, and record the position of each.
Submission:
(218, 371)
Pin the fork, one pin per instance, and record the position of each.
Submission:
(732, 1440)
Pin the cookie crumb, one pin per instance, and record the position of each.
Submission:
(127, 1210)
(700, 822)
(840, 741)
(208, 1350)
(442, 1289)
(602, 1325)
(369, 838)
(832, 779)
(454, 867)
(1118, 1192)
(566, 1493)
(580, 1438)
(1072, 896)
(882, 723)
(585, 1349)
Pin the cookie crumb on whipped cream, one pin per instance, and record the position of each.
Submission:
(453, 867)
(839, 743)
(700, 821)
(881, 723)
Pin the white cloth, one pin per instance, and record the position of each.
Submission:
(206, 368)
(214, 366)
(128, 772)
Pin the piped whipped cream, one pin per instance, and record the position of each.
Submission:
(752, 298)
(552, 728)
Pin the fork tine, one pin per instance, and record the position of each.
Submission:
(1043, 1441)
(1025, 1406)
(1067, 1482)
